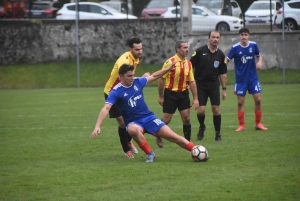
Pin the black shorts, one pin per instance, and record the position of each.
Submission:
(208, 90)
(114, 111)
(174, 100)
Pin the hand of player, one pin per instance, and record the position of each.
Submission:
(224, 94)
(161, 101)
(172, 66)
(95, 132)
(195, 103)
(258, 65)
(146, 74)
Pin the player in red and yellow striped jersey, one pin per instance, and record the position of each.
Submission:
(173, 88)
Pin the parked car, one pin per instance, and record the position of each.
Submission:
(204, 19)
(236, 9)
(43, 9)
(90, 10)
(291, 16)
(222, 7)
(119, 6)
(156, 7)
(259, 12)
(12, 8)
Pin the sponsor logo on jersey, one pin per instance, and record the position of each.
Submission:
(132, 100)
(245, 58)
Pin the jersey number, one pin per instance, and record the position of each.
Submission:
(257, 87)
(157, 121)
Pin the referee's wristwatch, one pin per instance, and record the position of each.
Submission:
(224, 88)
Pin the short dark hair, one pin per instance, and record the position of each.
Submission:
(125, 68)
(213, 31)
(178, 44)
(132, 41)
(244, 30)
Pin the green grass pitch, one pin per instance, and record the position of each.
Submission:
(46, 152)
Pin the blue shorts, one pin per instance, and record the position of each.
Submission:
(150, 124)
(252, 88)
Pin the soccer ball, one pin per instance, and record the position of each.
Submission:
(199, 153)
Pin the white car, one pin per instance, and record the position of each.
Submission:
(89, 10)
(259, 13)
(119, 6)
(222, 7)
(291, 16)
(204, 19)
(236, 9)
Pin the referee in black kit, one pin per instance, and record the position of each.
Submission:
(209, 64)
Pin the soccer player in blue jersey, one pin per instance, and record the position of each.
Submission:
(128, 96)
(246, 79)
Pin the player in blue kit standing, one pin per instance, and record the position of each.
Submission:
(244, 54)
(128, 96)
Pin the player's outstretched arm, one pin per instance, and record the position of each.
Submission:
(161, 72)
(103, 113)
(161, 87)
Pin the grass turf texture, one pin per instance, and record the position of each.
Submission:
(46, 152)
(95, 74)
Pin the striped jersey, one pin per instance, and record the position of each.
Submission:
(177, 80)
(244, 62)
(126, 58)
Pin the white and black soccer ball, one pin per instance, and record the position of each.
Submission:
(199, 153)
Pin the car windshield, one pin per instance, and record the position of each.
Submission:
(208, 11)
(261, 6)
(115, 6)
(196, 11)
(40, 6)
(215, 4)
(206, 3)
(160, 4)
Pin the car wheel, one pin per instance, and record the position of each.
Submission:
(223, 27)
(290, 25)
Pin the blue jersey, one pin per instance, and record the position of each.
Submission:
(130, 100)
(244, 62)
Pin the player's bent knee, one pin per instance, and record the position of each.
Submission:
(134, 129)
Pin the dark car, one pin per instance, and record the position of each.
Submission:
(43, 9)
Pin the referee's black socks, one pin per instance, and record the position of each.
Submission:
(201, 119)
(217, 123)
(187, 129)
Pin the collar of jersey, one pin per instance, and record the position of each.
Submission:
(209, 49)
(178, 59)
(135, 60)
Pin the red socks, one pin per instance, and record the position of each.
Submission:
(189, 146)
(241, 118)
(258, 114)
(145, 147)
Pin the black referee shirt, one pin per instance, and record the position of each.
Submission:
(208, 66)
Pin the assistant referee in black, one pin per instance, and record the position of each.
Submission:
(210, 69)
